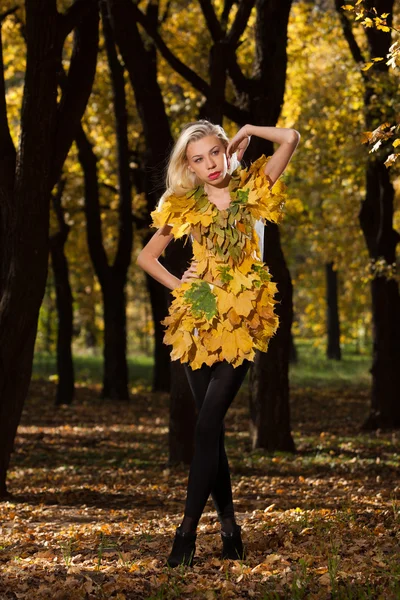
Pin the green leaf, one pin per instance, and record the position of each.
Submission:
(243, 196)
(199, 192)
(234, 209)
(225, 276)
(201, 202)
(203, 301)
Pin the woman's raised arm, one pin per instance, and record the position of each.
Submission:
(287, 139)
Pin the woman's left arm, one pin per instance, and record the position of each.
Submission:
(287, 139)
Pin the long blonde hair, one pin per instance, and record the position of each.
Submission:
(179, 179)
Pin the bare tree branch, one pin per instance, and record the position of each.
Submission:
(74, 15)
(166, 12)
(225, 13)
(78, 84)
(349, 36)
(211, 18)
(232, 112)
(240, 22)
(8, 12)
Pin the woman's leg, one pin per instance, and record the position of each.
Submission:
(207, 474)
(221, 492)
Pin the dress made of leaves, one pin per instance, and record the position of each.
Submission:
(227, 312)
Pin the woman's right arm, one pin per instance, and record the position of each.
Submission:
(149, 255)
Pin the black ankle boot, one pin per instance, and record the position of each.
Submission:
(233, 545)
(183, 548)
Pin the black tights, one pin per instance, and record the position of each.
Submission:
(214, 389)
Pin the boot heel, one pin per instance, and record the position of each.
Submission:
(183, 549)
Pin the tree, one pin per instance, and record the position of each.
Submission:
(376, 220)
(332, 313)
(27, 177)
(112, 277)
(64, 301)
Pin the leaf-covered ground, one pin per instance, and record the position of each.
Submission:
(95, 505)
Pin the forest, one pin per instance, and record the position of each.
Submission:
(96, 421)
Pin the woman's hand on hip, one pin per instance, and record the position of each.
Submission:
(190, 272)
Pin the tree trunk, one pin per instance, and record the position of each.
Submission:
(24, 207)
(24, 220)
(269, 376)
(65, 365)
(64, 302)
(376, 220)
(111, 282)
(115, 380)
(333, 350)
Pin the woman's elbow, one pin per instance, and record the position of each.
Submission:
(140, 259)
(294, 137)
(144, 258)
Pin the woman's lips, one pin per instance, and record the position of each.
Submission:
(214, 175)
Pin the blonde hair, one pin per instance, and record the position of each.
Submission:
(179, 179)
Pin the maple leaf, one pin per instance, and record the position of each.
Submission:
(202, 300)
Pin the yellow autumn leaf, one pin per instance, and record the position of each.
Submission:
(243, 303)
(181, 344)
(244, 340)
(238, 280)
(229, 345)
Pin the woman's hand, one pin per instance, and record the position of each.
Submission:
(190, 273)
(239, 143)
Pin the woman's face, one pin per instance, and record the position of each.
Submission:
(207, 159)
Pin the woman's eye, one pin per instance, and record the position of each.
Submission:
(216, 152)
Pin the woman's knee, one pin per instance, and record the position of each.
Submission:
(207, 432)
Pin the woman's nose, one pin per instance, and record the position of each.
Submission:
(210, 163)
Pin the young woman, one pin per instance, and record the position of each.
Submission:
(223, 306)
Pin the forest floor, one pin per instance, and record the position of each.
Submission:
(94, 504)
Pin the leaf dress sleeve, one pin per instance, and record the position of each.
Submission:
(170, 211)
(264, 201)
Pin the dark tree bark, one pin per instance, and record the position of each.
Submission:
(269, 376)
(333, 350)
(25, 193)
(376, 220)
(65, 366)
(140, 59)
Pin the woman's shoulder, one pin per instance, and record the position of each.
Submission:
(265, 200)
(172, 209)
